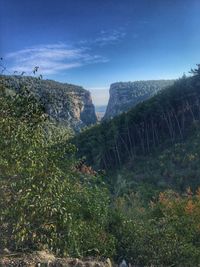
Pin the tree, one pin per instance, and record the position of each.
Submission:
(196, 71)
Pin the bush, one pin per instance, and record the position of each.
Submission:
(168, 233)
(45, 202)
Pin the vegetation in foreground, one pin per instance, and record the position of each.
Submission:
(44, 201)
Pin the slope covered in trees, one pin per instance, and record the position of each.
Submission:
(158, 122)
(148, 153)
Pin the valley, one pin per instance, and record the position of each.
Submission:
(99, 133)
(104, 189)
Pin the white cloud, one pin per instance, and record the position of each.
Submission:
(52, 58)
(106, 37)
(110, 37)
(58, 57)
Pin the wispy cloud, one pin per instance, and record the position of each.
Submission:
(110, 37)
(52, 58)
(106, 37)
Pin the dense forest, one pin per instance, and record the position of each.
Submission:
(164, 119)
(126, 188)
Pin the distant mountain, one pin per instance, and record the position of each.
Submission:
(67, 104)
(101, 108)
(125, 95)
(100, 111)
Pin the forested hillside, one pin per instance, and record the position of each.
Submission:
(162, 120)
(151, 156)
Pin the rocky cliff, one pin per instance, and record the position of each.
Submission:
(125, 95)
(67, 104)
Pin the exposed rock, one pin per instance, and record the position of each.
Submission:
(44, 258)
(108, 263)
(125, 95)
(67, 104)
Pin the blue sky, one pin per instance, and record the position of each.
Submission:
(94, 43)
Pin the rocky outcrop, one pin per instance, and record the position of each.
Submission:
(125, 95)
(67, 104)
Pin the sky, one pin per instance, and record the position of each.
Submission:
(94, 43)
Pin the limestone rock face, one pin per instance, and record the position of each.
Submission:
(67, 104)
(125, 95)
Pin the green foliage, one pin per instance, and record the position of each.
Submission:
(196, 71)
(45, 202)
(166, 233)
(176, 167)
